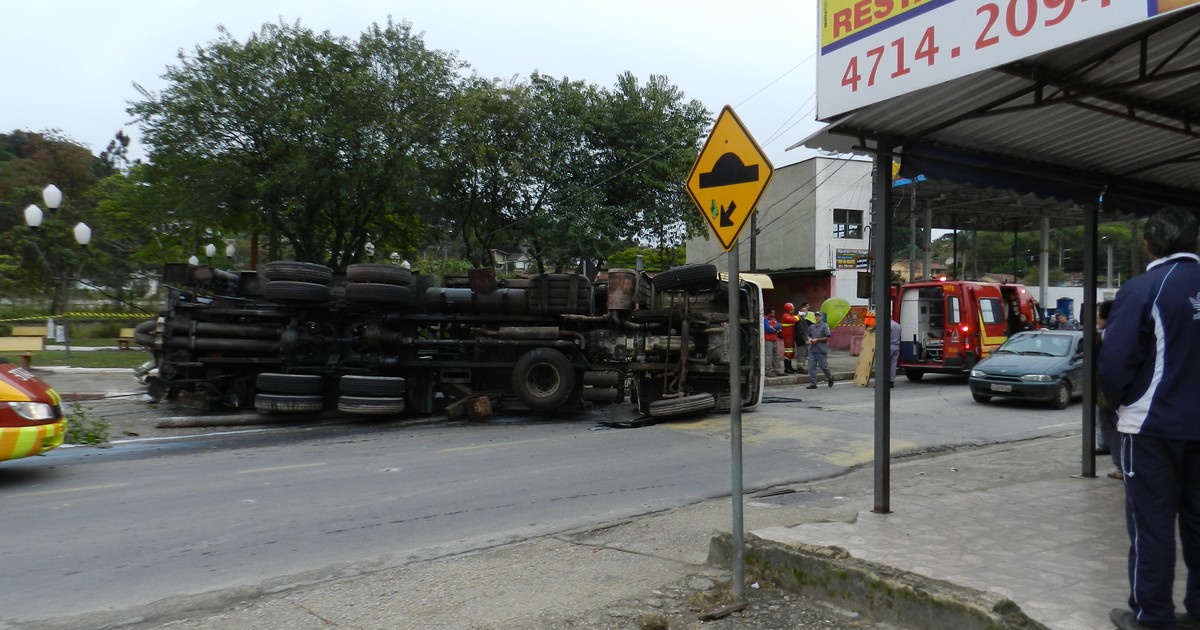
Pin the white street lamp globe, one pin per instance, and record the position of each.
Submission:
(406, 265)
(33, 216)
(395, 258)
(83, 234)
(369, 249)
(192, 260)
(210, 250)
(52, 196)
(230, 250)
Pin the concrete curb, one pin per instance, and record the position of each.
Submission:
(881, 592)
(802, 379)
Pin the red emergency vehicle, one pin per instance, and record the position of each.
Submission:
(947, 326)
(31, 414)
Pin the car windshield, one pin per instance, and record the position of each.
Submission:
(1045, 345)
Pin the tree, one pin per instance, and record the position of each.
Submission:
(319, 141)
(34, 262)
(647, 144)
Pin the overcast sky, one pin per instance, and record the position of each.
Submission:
(71, 65)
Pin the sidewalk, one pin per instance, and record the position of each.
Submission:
(1012, 522)
(1005, 536)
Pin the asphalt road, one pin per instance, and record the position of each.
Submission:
(143, 521)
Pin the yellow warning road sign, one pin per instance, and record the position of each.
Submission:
(729, 177)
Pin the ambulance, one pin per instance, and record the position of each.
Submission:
(947, 326)
(31, 414)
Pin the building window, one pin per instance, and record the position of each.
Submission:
(847, 223)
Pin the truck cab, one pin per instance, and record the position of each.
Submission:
(947, 326)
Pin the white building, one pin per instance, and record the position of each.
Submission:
(810, 233)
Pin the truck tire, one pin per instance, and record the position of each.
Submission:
(282, 403)
(379, 273)
(274, 383)
(144, 334)
(384, 386)
(297, 272)
(295, 291)
(543, 379)
(371, 405)
(377, 293)
(686, 276)
(668, 407)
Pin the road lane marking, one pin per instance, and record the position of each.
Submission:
(279, 468)
(822, 443)
(43, 493)
(475, 447)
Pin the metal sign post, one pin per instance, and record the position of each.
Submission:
(735, 422)
(726, 182)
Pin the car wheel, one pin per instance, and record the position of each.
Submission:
(981, 398)
(543, 379)
(913, 375)
(1062, 396)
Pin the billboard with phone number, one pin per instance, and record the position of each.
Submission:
(872, 50)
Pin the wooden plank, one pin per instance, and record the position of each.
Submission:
(22, 344)
(125, 337)
(866, 359)
(30, 331)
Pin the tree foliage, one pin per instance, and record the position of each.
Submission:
(320, 142)
(36, 262)
(326, 143)
(1005, 253)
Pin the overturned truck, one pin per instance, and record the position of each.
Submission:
(382, 340)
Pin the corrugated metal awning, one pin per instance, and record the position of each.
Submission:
(1116, 116)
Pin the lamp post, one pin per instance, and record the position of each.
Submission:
(52, 197)
(230, 250)
(210, 250)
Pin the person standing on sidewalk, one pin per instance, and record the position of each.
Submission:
(894, 342)
(771, 330)
(802, 338)
(818, 352)
(788, 322)
(1148, 366)
(1107, 438)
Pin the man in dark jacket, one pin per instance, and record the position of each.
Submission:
(1148, 369)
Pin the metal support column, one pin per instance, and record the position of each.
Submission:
(881, 235)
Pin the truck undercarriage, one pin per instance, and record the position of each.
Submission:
(382, 340)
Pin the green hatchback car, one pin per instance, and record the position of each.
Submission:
(1043, 365)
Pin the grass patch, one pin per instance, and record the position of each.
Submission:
(82, 428)
(90, 358)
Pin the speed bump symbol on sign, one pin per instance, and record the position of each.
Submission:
(728, 177)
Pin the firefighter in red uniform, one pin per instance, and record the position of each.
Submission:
(789, 319)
